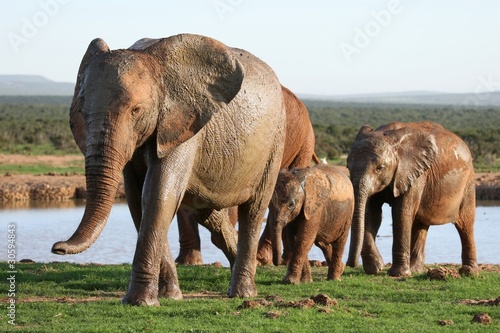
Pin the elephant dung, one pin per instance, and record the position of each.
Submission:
(443, 322)
(482, 318)
(441, 273)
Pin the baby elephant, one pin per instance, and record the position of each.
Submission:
(311, 205)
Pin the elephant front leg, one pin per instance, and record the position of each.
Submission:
(372, 260)
(418, 239)
(153, 265)
(168, 284)
(133, 188)
(403, 215)
(299, 269)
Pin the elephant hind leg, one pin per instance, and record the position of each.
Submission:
(418, 239)
(189, 239)
(224, 235)
(335, 265)
(465, 228)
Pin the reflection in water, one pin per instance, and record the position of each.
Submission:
(41, 204)
(39, 225)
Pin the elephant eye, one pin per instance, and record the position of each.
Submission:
(136, 109)
(380, 167)
(291, 204)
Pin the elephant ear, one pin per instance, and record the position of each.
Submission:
(416, 151)
(200, 77)
(317, 190)
(76, 120)
(143, 43)
(363, 131)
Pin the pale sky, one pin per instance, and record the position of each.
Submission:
(315, 47)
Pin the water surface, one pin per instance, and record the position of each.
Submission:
(39, 227)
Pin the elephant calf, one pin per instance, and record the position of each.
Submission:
(311, 205)
(426, 174)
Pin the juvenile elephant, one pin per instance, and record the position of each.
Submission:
(298, 152)
(311, 205)
(179, 117)
(426, 174)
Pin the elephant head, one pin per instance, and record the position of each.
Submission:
(391, 157)
(164, 94)
(297, 191)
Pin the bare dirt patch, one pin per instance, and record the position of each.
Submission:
(52, 160)
(17, 188)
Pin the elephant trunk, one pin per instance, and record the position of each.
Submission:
(276, 242)
(276, 229)
(102, 178)
(357, 228)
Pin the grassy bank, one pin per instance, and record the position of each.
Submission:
(41, 169)
(61, 297)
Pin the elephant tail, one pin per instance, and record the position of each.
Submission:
(316, 160)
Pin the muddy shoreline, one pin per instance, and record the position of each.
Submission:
(53, 187)
(63, 187)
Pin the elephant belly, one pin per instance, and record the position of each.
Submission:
(441, 204)
(229, 172)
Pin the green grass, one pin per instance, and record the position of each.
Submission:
(62, 297)
(37, 169)
(33, 149)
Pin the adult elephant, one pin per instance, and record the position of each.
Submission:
(179, 118)
(298, 152)
(426, 174)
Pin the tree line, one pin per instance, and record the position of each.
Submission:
(336, 125)
(40, 125)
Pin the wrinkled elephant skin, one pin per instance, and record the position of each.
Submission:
(178, 117)
(311, 205)
(298, 152)
(426, 174)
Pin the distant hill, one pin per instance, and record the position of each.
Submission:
(36, 85)
(33, 85)
(417, 97)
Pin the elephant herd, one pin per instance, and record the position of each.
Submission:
(207, 132)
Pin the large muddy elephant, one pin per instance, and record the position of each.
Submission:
(179, 118)
(426, 174)
(298, 152)
(311, 205)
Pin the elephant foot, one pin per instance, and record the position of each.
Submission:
(189, 257)
(291, 279)
(468, 270)
(399, 271)
(334, 274)
(140, 297)
(285, 259)
(306, 279)
(372, 263)
(418, 268)
(169, 290)
(242, 287)
(372, 267)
